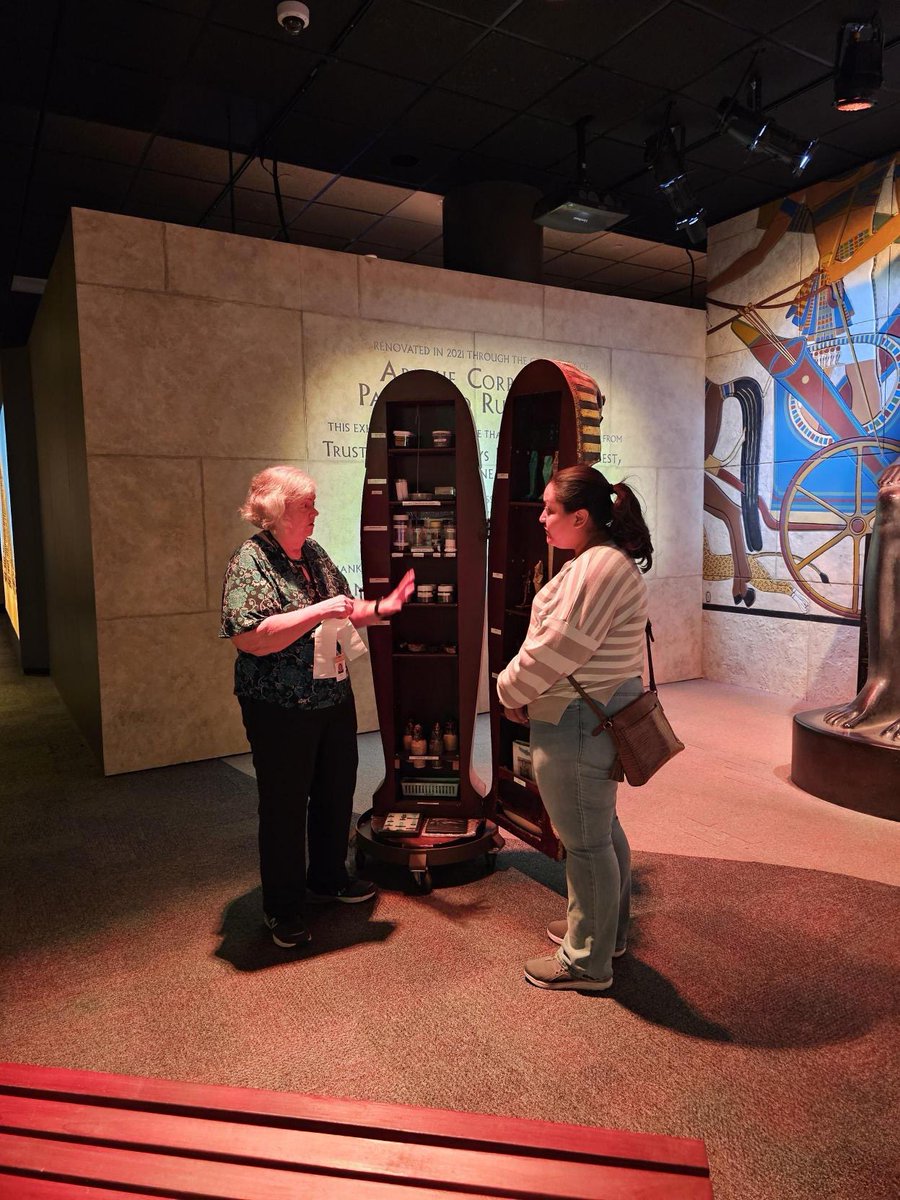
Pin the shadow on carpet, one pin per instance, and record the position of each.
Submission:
(248, 946)
(750, 953)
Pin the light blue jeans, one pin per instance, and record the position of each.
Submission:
(572, 771)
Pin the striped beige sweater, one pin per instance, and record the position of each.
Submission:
(587, 621)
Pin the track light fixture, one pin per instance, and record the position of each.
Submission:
(750, 126)
(858, 65)
(664, 156)
(578, 207)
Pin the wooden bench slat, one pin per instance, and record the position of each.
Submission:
(22, 1187)
(440, 1167)
(191, 1178)
(362, 1117)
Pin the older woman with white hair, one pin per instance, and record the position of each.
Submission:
(286, 608)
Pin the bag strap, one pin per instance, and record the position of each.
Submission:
(598, 709)
(648, 634)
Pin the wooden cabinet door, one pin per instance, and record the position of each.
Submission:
(551, 420)
(426, 661)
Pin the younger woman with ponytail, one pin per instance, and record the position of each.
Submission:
(587, 621)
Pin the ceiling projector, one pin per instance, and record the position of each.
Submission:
(578, 208)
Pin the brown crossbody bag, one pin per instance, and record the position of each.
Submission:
(645, 741)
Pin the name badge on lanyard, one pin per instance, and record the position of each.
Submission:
(329, 662)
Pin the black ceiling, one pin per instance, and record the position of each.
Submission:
(96, 97)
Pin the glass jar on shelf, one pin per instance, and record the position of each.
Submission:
(434, 527)
(419, 536)
(401, 531)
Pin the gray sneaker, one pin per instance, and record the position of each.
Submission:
(556, 931)
(552, 974)
(288, 932)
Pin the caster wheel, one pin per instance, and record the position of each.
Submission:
(422, 881)
(490, 861)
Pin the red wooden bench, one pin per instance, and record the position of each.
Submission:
(83, 1135)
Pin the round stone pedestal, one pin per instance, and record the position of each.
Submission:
(842, 766)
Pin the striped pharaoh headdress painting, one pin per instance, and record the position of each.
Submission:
(589, 402)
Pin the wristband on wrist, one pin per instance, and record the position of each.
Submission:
(377, 609)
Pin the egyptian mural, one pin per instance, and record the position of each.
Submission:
(802, 395)
(7, 553)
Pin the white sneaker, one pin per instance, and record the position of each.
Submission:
(552, 974)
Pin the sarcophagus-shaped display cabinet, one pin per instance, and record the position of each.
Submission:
(551, 420)
(423, 507)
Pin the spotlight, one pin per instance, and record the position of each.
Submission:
(578, 207)
(664, 157)
(761, 135)
(858, 65)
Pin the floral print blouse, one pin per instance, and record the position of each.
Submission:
(261, 581)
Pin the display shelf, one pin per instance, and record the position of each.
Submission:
(428, 772)
(409, 685)
(551, 419)
(519, 808)
(505, 773)
(447, 654)
(403, 759)
(435, 502)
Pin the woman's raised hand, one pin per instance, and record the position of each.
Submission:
(394, 601)
(335, 608)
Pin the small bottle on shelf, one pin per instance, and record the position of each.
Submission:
(418, 747)
(450, 738)
(435, 742)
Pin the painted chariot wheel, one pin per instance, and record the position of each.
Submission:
(821, 542)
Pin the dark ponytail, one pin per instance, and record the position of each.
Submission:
(613, 507)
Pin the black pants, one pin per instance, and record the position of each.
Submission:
(305, 765)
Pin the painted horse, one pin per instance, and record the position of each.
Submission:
(741, 521)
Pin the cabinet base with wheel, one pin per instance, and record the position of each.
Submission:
(422, 852)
